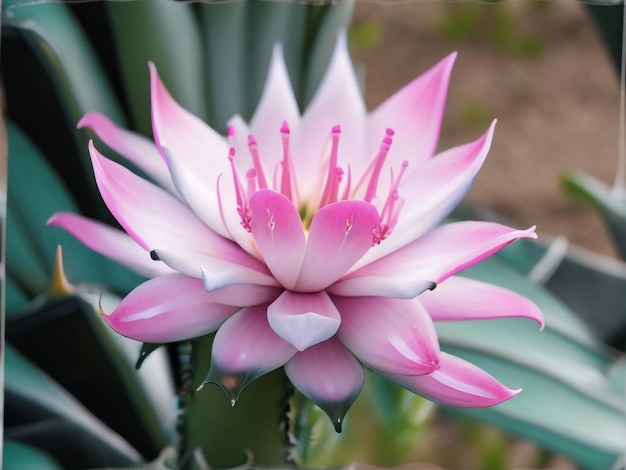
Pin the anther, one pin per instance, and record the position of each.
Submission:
(230, 134)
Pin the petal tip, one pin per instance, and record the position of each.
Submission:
(53, 221)
(87, 120)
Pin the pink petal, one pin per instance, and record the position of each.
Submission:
(431, 190)
(390, 335)
(218, 275)
(215, 272)
(277, 104)
(137, 148)
(337, 101)
(169, 308)
(304, 319)
(461, 299)
(246, 347)
(365, 283)
(436, 256)
(457, 383)
(185, 134)
(415, 114)
(157, 220)
(213, 203)
(340, 234)
(110, 242)
(194, 147)
(278, 232)
(329, 376)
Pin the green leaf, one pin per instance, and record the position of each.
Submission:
(17, 456)
(568, 404)
(79, 80)
(582, 425)
(42, 412)
(250, 28)
(15, 296)
(69, 340)
(224, 33)
(166, 33)
(23, 265)
(323, 23)
(35, 192)
(610, 204)
(146, 350)
(269, 23)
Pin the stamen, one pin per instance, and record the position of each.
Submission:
(251, 176)
(391, 210)
(285, 182)
(334, 173)
(242, 201)
(230, 135)
(256, 161)
(346, 190)
(380, 158)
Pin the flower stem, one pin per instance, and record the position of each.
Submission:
(225, 433)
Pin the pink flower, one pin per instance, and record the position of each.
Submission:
(305, 241)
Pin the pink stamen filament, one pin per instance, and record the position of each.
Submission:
(251, 176)
(256, 161)
(335, 173)
(379, 160)
(346, 190)
(242, 199)
(391, 210)
(285, 182)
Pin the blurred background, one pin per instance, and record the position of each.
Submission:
(539, 67)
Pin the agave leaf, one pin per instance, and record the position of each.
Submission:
(591, 285)
(23, 265)
(594, 287)
(271, 22)
(35, 192)
(323, 23)
(166, 33)
(561, 369)
(16, 455)
(70, 341)
(224, 24)
(146, 350)
(236, 74)
(78, 79)
(610, 204)
(586, 427)
(15, 297)
(44, 414)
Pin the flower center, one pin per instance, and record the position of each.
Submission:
(331, 187)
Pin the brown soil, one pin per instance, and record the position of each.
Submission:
(548, 80)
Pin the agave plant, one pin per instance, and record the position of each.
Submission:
(62, 61)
